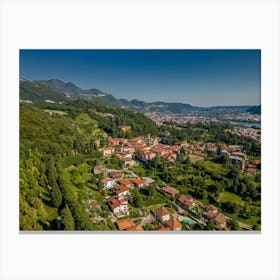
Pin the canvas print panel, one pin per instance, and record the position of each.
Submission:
(140, 140)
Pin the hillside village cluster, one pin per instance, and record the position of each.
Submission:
(119, 183)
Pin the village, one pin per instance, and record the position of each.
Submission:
(185, 210)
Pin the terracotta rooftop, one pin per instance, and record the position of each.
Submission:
(162, 228)
(170, 190)
(251, 170)
(162, 211)
(121, 189)
(188, 201)
(135, 228)
(210, 214)
(113, 202)
(211, 207)
(116, 174)
(220, 219)
(106, 180)
(125, 224)
(125, 182)
(173, 224)
(138, 181)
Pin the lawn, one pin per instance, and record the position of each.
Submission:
(154, 201)
(228, 196)
(155, 206)
(211, 167)
(194, 158)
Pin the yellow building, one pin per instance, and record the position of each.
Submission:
(125, 128)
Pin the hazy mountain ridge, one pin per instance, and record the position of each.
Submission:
(39, 92)
(74, 91)
(71, 90)
(254, 110)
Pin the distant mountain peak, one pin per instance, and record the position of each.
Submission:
(94, 94)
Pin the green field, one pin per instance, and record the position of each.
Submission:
(154, 201)
(155, 206)
(194, 158)
(228, 196)
(211, 167)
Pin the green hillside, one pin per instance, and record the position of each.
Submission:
(54, 138)
(45, 140)
(77, 92)
(39, 92)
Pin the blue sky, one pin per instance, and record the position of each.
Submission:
(197, 77)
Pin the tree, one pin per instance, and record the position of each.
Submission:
(182, 155)
(137, 199)
(67, 219)
(256, 227)
(233, 173)
(51, 172)
(151, 191)
(230, 207)
(210, 225)
(56, 195)
(219, 150)
(233, 225)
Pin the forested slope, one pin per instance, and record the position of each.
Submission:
(57, 140)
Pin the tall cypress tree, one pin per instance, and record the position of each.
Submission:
(51, 172)
(67, 219)
(56, 195)
(52, 180)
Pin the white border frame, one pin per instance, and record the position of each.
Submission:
(139, 24)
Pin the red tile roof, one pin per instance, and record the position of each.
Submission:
(125, 224)
(121, 189)
(252, 166)
(187, 201)
(162, 228)
(170, 190)
(123, 200)
(113, 202)
(138, 181)
(251, 170)
(173, 224)
(106, 180)
(220, 219)
(116, 174)
(125, 182)
(211, 207)
(162, 211)
(135, 228)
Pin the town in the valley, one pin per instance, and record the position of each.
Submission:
(180, 211)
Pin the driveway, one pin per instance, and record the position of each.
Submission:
(147, 220)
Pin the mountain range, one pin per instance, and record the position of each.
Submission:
(58, 90)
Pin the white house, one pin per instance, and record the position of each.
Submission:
(108, 183)
(119, 206)
(122, 191)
